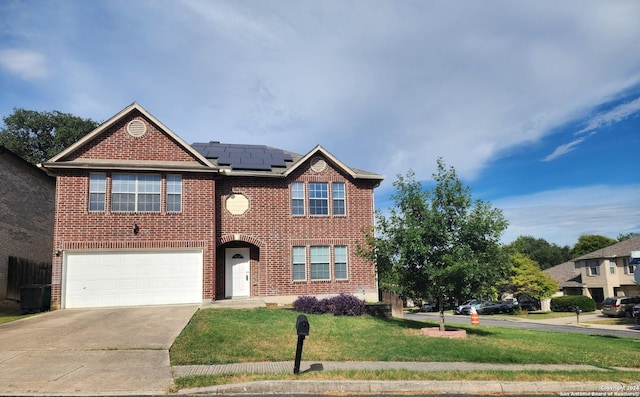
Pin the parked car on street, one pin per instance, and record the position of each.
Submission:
(636, 313)
(528, 304)
(620, 306)
(465, 307)
(434, 306)
(495, 307)
(429, 307)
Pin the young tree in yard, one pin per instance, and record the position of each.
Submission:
(38, 136)
(438, 241)
(527, 278)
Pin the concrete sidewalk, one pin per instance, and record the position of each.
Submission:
(396, 387)
(307, 366)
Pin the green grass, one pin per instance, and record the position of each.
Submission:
(227, 336)
(9, 311)
(613, 321)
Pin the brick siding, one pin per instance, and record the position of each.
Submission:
(26, 213)
(78, 229)
(271, 230)
(267, 227)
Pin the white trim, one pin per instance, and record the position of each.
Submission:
(334, 160)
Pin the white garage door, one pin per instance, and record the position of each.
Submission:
(132, 278)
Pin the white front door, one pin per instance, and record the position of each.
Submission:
(237, 272)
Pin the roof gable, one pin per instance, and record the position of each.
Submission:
(133, 138)
(352, 172)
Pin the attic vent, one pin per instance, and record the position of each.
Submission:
(318, 164)
(136, 128)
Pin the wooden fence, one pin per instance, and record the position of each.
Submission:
(23, 272)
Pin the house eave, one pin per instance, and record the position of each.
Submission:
(129, 166)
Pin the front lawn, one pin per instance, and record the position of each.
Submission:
(266, 334)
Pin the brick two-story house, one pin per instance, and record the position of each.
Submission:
(142, 217)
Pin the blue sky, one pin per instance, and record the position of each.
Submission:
(535, 104)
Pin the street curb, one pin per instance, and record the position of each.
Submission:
(403, 387)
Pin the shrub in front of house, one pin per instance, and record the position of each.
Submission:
(568, 303)
(340, 305)
(345, 305)
(307, 304)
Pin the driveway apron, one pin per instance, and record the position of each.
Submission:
(91, 351)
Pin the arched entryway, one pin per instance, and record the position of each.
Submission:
(236, 271)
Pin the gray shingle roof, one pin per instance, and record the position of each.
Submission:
(617, 250)
(261, 160)
(565, 274)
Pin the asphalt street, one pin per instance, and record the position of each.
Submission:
(564, 324)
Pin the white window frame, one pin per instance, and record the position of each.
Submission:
(174, 189)
(297, 198)
(299, 263)
(339, 196)
(319, 199)
(139, 184)
(320, 260)
(340, 261)
(612, 266)
(97, 191)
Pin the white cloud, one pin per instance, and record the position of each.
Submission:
(406, 81)
(384, 85)
(600, 120)
(27, 64)
(564, 149)
(615, 115)
(561, 216)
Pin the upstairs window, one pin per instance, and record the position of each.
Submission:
(321, 198)
(297, 198)
(612, 267)
(135, 193)
(318, 198)
(593, 268)
(629, 267)
(174, 193)
(337, 193)
(97, 191)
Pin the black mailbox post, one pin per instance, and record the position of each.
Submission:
(302, 329)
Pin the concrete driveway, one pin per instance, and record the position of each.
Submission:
(91, 351)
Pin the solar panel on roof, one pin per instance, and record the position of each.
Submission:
(245, 157)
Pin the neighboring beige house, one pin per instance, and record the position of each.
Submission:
(600, 274)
